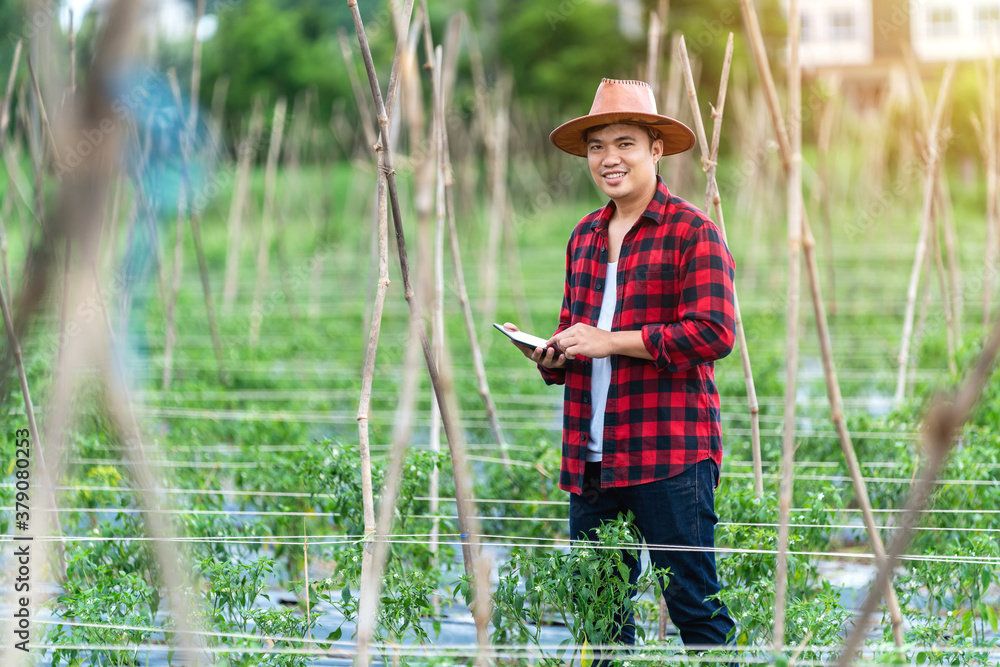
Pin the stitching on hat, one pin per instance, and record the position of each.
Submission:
(628, 81)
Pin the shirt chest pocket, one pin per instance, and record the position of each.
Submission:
(654, 294)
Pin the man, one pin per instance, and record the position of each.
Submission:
(647, 309)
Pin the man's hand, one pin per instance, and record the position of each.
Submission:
(583, 340)
(549, 357)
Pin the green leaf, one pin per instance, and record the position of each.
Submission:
(991, 616)
(345, 594)
(335, 635)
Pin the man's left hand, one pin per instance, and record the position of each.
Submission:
(583, 340)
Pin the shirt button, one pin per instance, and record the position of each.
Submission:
(586, 399)
(600, 286)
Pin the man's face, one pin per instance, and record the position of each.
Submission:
(622, 160)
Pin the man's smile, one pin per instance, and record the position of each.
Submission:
(614, 177)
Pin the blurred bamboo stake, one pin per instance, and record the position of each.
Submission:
(943, 199)
(496, 136)
(482, 384)
(944, 419)
(932, 159)
(370, 581)
(175, 286)
(823, 135)
(945, 295)
(819, 312)
(266, 220)
(187, 141)
(713, 202)
(794, 127)
(467, 521)
(77, 215)
(654, 43)
(992, 134)
(247, 153)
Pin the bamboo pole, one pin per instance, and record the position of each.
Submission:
(822, 327)
(945, 294)
(447, 179)
(76, 214)
(942, 423)
(194, 215)
(247, 151)
(369, 578)
(943, 199)
(933, 157)
(466, 519)
(497, 149)
(266, 220)
(175, 286)
(654, 43)
(794, 126)
(824, 192)
(713, 202)
(992, 132)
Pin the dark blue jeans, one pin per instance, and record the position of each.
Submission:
(674, 512)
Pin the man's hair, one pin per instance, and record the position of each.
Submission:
(653, 134)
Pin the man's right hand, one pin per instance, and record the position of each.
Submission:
(548, 357)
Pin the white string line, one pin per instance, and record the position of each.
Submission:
(323, 364)
(735, 653)
(536, 543)
(484, 501)
(319, 393)
(484, 517)
(725, 475)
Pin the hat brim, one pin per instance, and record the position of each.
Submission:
(571, 136)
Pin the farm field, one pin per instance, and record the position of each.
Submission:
(225, 447)
(263, 473)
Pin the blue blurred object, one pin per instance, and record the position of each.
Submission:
(163, 160)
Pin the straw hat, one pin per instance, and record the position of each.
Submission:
(623, 101)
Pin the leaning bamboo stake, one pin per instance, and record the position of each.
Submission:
(933, 158)
(247, 152)
(194, 215)
(369, 579)
(794, 125)
(945, 294)
(175, 286)
(266, 220)
(942, 423)
(482, 384)
(819, 312)
(713, 202)
(466, 520)
(77, 214)
(992, 132)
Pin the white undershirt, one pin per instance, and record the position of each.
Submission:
(600, 374)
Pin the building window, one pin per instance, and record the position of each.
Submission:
(942, 22)
(842, 26)
(805, 25)
(987, 20)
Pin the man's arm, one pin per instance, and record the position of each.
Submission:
(706, 328)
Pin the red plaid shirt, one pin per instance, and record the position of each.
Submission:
(675, 283)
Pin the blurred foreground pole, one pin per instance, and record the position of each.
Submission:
(819, 312)
(944, 420)
(77, 217)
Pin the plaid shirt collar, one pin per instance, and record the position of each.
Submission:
(655, 211)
